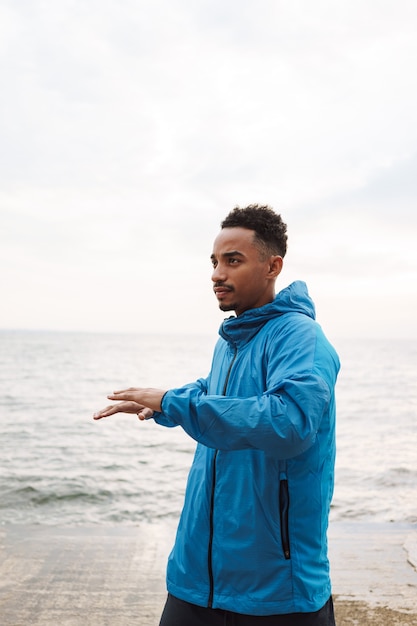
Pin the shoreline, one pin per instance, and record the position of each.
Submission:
(94, 576)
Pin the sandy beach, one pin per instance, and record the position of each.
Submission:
(99, 576)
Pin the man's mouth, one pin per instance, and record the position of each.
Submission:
(221, 290)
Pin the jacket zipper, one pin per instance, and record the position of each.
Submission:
(284, 506)
(213, 488)
(210, 547)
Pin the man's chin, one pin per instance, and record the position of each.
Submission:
(226, 307)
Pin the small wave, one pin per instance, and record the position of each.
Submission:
(33, 496)
(396, 477)
(84, 496)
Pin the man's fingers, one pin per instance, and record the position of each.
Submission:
(145, 414)
(110, 410)
(124, 392)
(127, 394)
(124, 407)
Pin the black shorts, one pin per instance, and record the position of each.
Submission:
(180, 613)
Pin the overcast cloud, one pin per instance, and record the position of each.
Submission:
(129, 129)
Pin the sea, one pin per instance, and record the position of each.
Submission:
(60, 467)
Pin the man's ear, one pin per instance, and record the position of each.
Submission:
(275, 266)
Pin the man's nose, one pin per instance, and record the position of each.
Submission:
(219, 274)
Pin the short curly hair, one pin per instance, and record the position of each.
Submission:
(270, 230)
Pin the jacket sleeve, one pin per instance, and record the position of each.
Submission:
(283, 421)
(283, 424)
(164, 419)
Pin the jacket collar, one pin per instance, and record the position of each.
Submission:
(294, 298)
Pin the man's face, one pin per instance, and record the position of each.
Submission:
(242, 280)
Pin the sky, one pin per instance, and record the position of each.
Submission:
(130, 128)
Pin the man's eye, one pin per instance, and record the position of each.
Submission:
(233, 261)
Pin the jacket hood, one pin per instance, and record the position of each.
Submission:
(293, 299)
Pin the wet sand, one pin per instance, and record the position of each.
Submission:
(115, 576)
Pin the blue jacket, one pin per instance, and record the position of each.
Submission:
(252, 534)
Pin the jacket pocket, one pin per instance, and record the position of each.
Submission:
(284, 507)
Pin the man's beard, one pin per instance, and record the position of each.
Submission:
(226, 307)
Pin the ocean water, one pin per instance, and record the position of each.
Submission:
(59, 467)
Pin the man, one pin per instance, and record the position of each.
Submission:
(251, 545)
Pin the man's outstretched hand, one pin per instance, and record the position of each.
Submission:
(135, 400)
